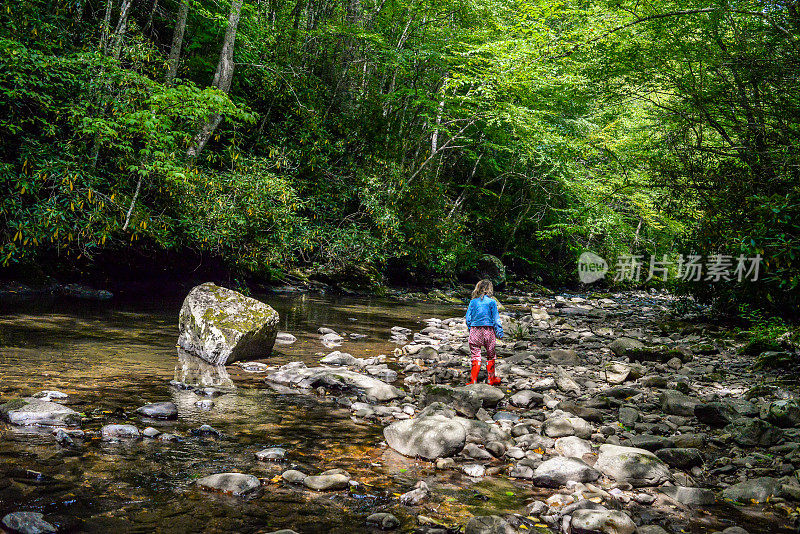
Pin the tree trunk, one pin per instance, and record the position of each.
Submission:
(122, 27)
(222, 79)
(105, 34)
(150, 17)
(177, 41)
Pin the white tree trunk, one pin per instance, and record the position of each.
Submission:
(222, 79)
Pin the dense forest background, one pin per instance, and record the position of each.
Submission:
(400, 140)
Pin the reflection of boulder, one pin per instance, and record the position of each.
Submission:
(197, 373)
(223, 326)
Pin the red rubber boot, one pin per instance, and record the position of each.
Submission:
(476, 368)
(493, 380)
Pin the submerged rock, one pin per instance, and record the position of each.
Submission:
(222, 326)
(115, 432)
(297, 374)
(488, 524)
(284, 338)
(273, 453)
(27, 523)
(334, 479)
(232, 483)
(383, 521)
(27, 411)
(159, 410)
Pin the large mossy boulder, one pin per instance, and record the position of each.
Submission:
(222, 326)
(492, 268)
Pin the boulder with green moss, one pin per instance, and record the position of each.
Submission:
(222, 326)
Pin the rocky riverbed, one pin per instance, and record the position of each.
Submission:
(613, 417)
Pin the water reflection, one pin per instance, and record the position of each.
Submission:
(195, 372)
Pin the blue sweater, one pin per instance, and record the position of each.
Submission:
(483, 312)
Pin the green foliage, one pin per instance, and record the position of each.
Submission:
(517, 331)
(408, 137)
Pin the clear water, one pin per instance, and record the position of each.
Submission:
(113, 357)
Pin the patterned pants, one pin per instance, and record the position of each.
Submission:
(481, 336)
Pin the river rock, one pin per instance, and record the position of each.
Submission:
(115, 432)
(754, 490)
(526, 398)
(584, 412)
(716, 414)
(489, 395)
(565, 382)
(557, 471)
(222, 326)
(676, 403)
(232, 483)
(462, 400)
(488, 524)
(383, 521)
(689, 496)
(341, 358)
(783, 413)
(334, 479)
(28, 411)
(561, 426)
(27, 523)
(622, 345)
(682, 458)
(428, 437)
(273, 453)
(50, 395)
(635, 466)
(284, 338)
(616, 373)
(628, 416)
(471, 450)
(293, 476)
(297, 374)
(572, 447)
(752, 432)
(564, 357)
(601, 522)
(159, 410)
(651, 529)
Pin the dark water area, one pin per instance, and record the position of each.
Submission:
(112, 357)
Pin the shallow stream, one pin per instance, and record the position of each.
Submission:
(112, 357)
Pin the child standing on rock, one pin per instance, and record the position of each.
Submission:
(483, 324)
